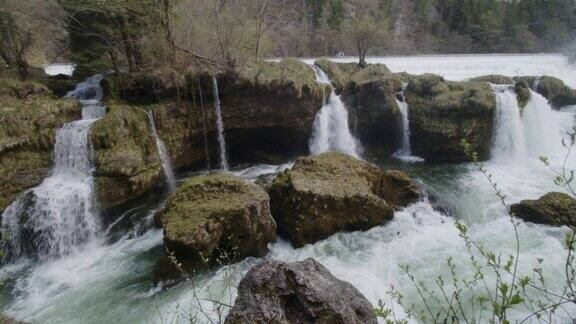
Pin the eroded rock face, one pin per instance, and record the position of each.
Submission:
(298, 292)
(553, 208)
(213, 219)
(443, 113)
(335, 192)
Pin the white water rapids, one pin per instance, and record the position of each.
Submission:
(106, 283)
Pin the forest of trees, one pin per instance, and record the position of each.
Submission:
(151, 34)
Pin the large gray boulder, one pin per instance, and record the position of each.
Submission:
(298, 292)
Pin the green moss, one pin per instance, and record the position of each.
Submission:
(494, 79)
(29, 118)
(123, 142)
(201, 198)
(126, 157)
(288, 72)
(348, 74)
(558, 93)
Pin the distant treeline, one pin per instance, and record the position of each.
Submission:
(152, 35)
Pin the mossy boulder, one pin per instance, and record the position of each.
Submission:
(557, 93)
(554, 208)
(334, 192)
(369, 95)
(214, 219)
(125, 156)
(443, 113)
(29, 117)
(297, 292)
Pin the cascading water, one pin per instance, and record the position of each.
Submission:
(405, 151)
(111, 282)
(331, 128)
(508, 140)
(220, 127)
(169, 178)
(60, 215)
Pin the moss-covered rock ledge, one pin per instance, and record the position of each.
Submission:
(30, 114)
(442, 113)
(125, 155)
(335, 192)
(369, 95)
(214, 219)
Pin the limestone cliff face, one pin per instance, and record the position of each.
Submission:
(30, 114)
(268, 113)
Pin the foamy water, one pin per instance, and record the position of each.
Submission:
(112, 282)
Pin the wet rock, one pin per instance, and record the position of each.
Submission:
(523, 94)
(369, 95)
(298, 292)
(335, 192)
(125, 155)
(554, 208)
(442, 113)
(216, 219)
(557, 93)
(61, 84)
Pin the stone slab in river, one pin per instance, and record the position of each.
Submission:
(554, 208)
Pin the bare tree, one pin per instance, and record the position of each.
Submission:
(364, 27)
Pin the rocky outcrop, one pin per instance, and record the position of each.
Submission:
(298, 292)
(443, 113)
(125, 156)
(554, 208)
(29, 117)
(557, 93)
(369, 94)
(335, 192)
(268, 112)
(214, 219)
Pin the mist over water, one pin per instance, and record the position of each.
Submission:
(102, 282)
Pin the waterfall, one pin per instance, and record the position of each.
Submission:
(405, 151)
(321, 76)
(164, 157)
(220, 127)
(535, 130)
(60, 214)
(544, 127)
(331, 130)
(508, 141)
